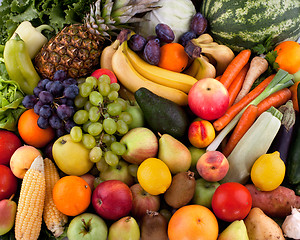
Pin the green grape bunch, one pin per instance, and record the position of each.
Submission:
(101, 119)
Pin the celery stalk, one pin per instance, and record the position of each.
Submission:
(281, 80)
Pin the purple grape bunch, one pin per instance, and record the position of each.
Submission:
(53, 101)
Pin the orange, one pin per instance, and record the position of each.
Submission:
(72, 195)
(288, 56)
(31, 133)
(193, 222)
(173, 57)
(293, 89)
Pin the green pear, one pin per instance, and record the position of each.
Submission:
(8, 209)
(174, 153)
(125, 228)
(235, 231)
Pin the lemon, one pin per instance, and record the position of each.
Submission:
(268, 171)
(154, 176)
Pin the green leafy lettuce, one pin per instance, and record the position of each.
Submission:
(11, 98)
(56, 13)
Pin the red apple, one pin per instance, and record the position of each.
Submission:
(143, 201)
(89, 178)
(103, 71)
(208, 99)
(212, 166)
(9, 142)
(112, 199)
(8, 182)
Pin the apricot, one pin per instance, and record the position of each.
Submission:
(21, 160)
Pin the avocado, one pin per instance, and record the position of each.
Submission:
(161, 114)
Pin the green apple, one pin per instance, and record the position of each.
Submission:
(204, 192)
(196, 154)
(87, 226)
(71, 157)
(141, 143)
(137, 116)
(119, 172)
(125, 228)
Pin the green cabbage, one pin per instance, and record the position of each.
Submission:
(177, 14)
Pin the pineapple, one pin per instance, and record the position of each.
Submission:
(77, 48)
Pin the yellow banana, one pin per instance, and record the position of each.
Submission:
(107, 54)
(132, 80)
(159, 75)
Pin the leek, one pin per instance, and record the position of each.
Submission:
(281, 80)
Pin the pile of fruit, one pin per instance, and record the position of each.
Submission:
(186, 130)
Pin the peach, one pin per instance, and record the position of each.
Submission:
(21, 160)
(212, 166)
(201, 133)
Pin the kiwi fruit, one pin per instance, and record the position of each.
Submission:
(154, 226)
(181, 190)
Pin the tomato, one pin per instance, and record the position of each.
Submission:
(104, 71)
(231, 201)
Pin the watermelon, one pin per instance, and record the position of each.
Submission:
(242, 24)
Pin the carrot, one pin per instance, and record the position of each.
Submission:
(234, 67)
(237, 83)
(232, 111)
(258, 66)
(245, 122)
(276, 100)
(218, 77)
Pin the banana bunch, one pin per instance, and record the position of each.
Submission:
(213, 60)
(133, 73)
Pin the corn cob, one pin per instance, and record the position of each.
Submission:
(31, 202)
(53, 218)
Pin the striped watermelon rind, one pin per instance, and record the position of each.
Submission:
(242, 24)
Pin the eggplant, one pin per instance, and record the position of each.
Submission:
(282, 141)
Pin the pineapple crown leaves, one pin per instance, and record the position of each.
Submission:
(107, 17)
